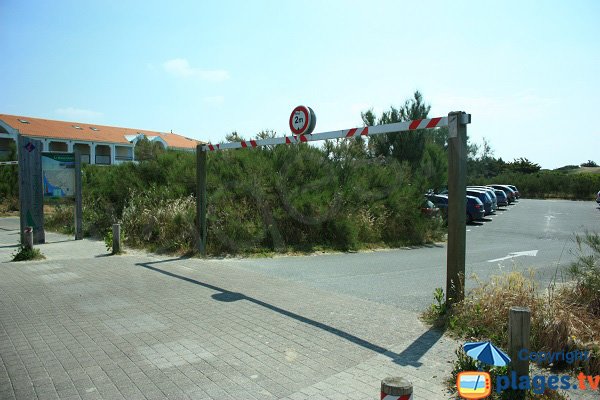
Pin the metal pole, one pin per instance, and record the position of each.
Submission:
(457, 204)
(78, 199)
(201, 198)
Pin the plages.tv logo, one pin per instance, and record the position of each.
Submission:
(478, 384)
(474, 385)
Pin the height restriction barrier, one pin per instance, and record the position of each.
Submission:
(457, 156)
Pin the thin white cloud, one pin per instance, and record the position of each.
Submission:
(215, 100)
(181, 68)
(78, 113)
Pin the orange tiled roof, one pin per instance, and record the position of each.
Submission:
(48, 128)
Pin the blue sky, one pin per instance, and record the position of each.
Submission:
(527, 71)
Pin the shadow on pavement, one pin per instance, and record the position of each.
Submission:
(409, 356)
(59, 241)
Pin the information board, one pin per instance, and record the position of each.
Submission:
(58, 171)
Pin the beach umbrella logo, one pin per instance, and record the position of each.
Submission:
(486, 353)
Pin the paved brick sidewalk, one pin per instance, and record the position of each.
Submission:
(82, 325)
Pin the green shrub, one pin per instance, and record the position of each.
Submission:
(151, 219)
(61, 219)
(586, 270)
(25, 254)
(297, 198)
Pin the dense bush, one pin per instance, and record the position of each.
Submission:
(268, 199)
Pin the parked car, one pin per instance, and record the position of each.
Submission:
(517, 193)
(490, 192)
(598, 198)
(429, 209)
(441, 202)
(502, 198)
(512, 197)
(485, 199)
(475, 209)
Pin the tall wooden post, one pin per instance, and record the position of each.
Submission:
(116, 239)
(519, 328)
(201, 199)
(457, 205)
(31, 191)
(78, 199)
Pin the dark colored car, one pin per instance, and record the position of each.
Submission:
(502, 198)
(491, 192)
(475, 209)
(485, 199)
(441, 202)
(514, 188)
(512, 197)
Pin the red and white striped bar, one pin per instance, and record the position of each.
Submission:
(344, 133)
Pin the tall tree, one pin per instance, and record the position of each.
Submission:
(524, 166)
(147, 150)
(406, 146)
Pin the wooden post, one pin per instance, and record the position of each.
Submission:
(116, 244)
(28, 243)
(396, 388)
(457, 205)
(78, 199)
(519, 327)
(31, 191)
(201, 199)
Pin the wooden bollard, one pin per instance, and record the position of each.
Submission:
(116, 242)
(396, 388)
(519, 327)
(28, 235)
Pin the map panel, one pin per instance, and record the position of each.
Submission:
(58, 170)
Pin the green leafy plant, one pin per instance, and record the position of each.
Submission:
(25, 254)
(437, 312)
(586, 269)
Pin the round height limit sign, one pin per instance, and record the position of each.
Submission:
(302, 120)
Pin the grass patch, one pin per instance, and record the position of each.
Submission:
(60, 218)
(25, 254)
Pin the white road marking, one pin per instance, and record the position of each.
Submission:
(530, 253)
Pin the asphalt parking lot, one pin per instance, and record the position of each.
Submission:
(540, 232)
